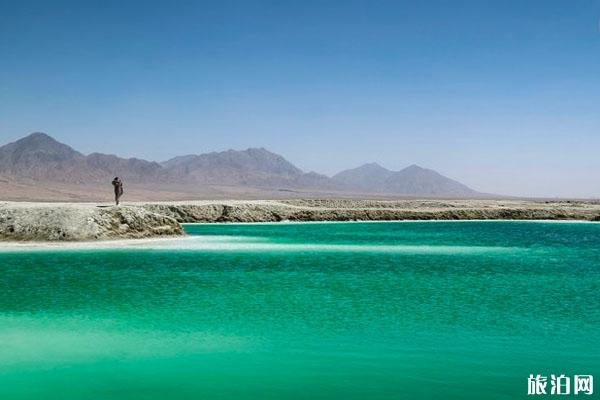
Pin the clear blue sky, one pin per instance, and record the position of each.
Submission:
(502, 95)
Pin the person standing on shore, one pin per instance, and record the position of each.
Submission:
(118, 186)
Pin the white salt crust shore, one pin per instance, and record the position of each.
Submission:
(224, 244)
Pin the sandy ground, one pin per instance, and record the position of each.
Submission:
(11, 190)
(576, 206)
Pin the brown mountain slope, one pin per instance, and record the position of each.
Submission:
(57, 171)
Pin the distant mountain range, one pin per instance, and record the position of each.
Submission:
(410, 181)
(40, 158)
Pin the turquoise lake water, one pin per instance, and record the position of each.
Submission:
(411, 310)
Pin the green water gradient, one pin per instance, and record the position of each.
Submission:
(412, 310)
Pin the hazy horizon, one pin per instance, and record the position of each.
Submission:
(501, 96)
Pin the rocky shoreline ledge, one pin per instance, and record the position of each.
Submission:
(374, 210)
(47, 222)
(88, 222)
